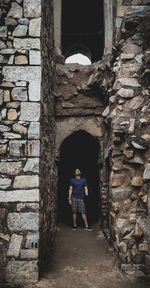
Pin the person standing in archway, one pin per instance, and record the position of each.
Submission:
(77, 190)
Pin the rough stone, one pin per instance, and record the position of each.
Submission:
(1, 96)
(131, 82)
(146, 137)
(29, 254)
(3, 31)
(22, 272)
(32, 240)
(26, 181)
(10, 168)
(2, 45)
(3, 60)
(4, 113)
(24, 21)
(6, 95)
(132, 48)
(128, 153)
(118, 180)
(136, 160)
(34, 130)
(120, 193)
(19, 128)
(23, 221)
(126, 93)
(2, 214)
(12, 114)
(15, 246)
(20, 60)
(32, 8)
(13, 105)
(30, 111)
(132, 125)
(10, 135)
(143, 247)
(137, 146)
(127, 56)
(146, 175)
(5, 237)
(20, 195)
(20, 30)
(10, 21)
(15, 11)
(34, 207)
(34, 91)
(27, 43)
(16, 73)
(9, 51)
(137, 181)
(3, 149)
(32, 165)
(35, 27)
(135, 103)
(5, 183)
(19, 94)
(35, 57)
(123, 247)
(24, 148)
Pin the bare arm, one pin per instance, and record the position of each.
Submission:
(86, 190)
(70, 194)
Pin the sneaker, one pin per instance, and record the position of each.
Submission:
(88, 229)
(74, 228)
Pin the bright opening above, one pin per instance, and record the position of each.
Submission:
(78, 58)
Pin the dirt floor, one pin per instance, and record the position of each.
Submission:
(84, 259)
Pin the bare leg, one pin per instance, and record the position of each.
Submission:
(85, 219)
(74, 219)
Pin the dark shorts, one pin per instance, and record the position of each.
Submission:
(78, 205)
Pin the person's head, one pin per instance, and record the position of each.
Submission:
(77, 172)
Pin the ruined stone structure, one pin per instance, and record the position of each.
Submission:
(109, 100)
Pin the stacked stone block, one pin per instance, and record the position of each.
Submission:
(20, 59)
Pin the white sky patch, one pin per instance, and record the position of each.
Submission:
(78, 58)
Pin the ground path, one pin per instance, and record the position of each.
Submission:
(83, 259)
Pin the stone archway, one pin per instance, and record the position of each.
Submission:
(80, 149)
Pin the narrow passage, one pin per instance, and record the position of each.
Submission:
(83, 259)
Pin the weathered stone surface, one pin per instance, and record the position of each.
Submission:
(35, 27)
(123, 247)
(3, 31)
(30, 111)
(146, 175)
(15, 246)
(135, 103)
(23, 221)
(2, 45)
(35, 57)
(118, 180)
(15, 11)
(10, 21)
(11, 135)
(2, 213)
(22, 272)
(34, 91)
(121, 82)
(12, 114)
(32, 240)
(5, 183)
(146, 137)
(34, 207)
(19, 128)
(13, 105)
(20, 30)
(3, 60)
(4, 128)
(9, 51)
(24, 21)
(20, 196)
(20, 60)
(32, 165)
(26, 181)
(32, 8)
(127, 56)
(128, 153)
(125, 93)
(136, 160)
(5, 237)
(1, 96)
(10, 168)
(137, 181)
(121, 193)
(21, 84)
(132, 125)
(137, 146)
(24, 148)
(3, 149)
(143, 247)
(34, 130)
(120, 223)
(26, 43)
(6, 95)
(4, 113)
(17, 73)
(29, 254)
(19, 94)
(132, 48)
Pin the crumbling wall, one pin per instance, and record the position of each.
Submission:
(20, 115)
(127, 151)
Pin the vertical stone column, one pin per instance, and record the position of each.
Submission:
(108, 26)
(20, 58)
(57, 22)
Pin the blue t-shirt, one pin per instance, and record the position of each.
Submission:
(78, 187)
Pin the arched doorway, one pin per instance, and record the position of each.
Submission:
(79, 150)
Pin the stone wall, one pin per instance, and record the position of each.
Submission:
(20, 115)
(128, 141)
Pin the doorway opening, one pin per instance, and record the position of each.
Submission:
(83, 26)
(79, 150)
